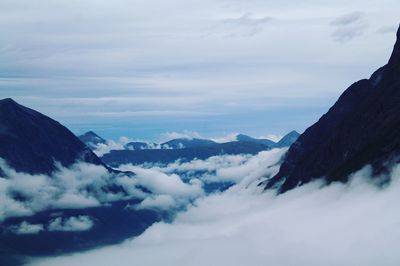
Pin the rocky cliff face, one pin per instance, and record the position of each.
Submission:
(363, 127)
(31, 142)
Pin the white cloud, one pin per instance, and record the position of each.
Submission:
(175, 185)
(184, 180)
(85, 185)
(68, 224)
(340, 224)
(180, 135)
(80, 186)
(158, 202)
(161, 183)
(224, 168)
(71, 224)
(25, 228)
(103, 148)
(227, 138)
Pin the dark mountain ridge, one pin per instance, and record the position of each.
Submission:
(362, 127)
(31, 142)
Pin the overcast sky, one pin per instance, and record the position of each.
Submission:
(140, 68)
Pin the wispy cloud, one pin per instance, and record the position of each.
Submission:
(244, 25)
(349, 26)
(186, 134)
(347, 19)
(115, 63)
(387, 29)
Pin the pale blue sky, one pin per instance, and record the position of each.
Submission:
(142, 68)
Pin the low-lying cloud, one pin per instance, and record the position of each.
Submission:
(178, 184)
(63, 224)
(223, 168)
(159, 202)
(74, 224)
(80, 186)
(163, 187)
(103, 148)
(341, 224)
(25, 228)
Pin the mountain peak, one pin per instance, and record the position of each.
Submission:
(398, 33)
(187, 143)
(8, 103)
(90, 133)
(91, 139)
(31, 142)
(242, 137)
(288, 139)
(293, 132)
(395, 57)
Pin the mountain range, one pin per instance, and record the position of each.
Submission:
(38, 153)
(186, 149)
(361, 128)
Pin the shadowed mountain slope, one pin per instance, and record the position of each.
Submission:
(362, 127)
(31, 142)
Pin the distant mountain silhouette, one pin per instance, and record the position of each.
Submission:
(91, 139)
(137, 152)
(246, 138)
(186, 150)
(137, 145)
(118, 157)
(288, 139)
(183, 143)
(31, 142)
(363, 127)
